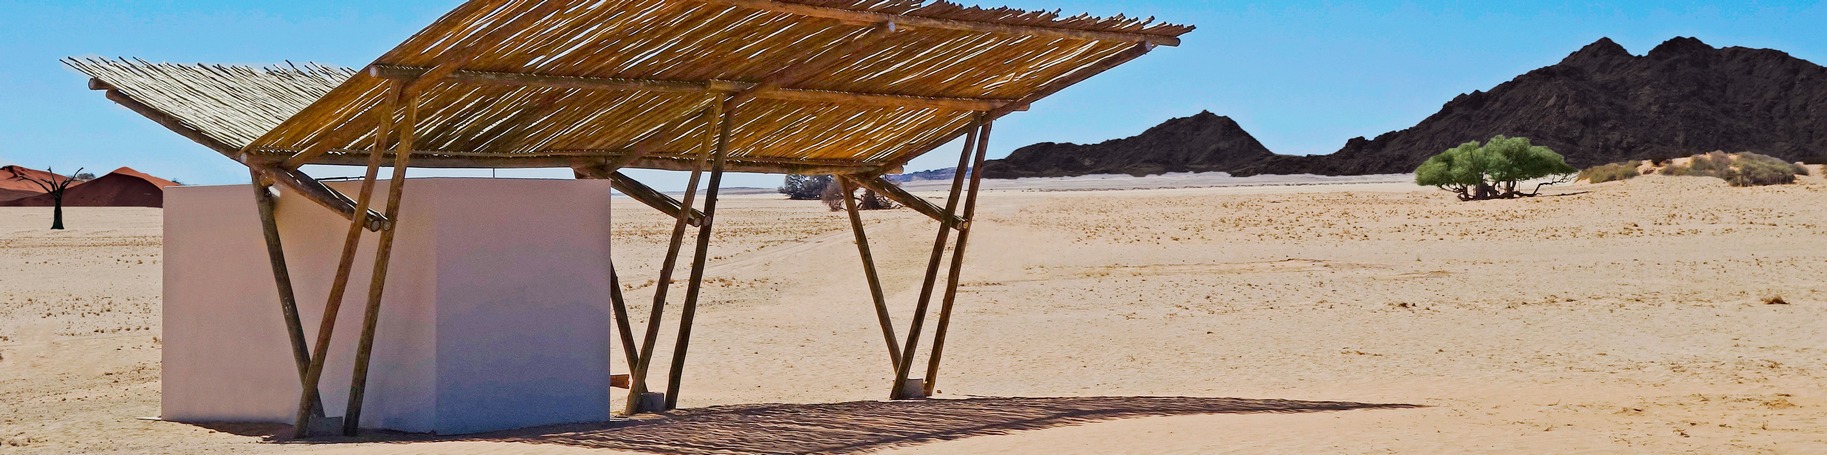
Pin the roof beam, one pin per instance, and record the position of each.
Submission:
(1051, 88)
(946, 24)
(302, 184)
(406, 73)
(451, 61)
(794, 73)
(666, 162)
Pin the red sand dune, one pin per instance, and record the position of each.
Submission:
(124, 187)
(14, 189)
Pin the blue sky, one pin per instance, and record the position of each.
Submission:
(1302, 76)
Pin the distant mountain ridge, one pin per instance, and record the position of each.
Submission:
(1599, 105)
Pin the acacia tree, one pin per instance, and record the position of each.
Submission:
(1494, 170)
(52, 186)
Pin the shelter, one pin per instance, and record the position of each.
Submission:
(124, 187)
(852, 88)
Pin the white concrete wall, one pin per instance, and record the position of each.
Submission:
(495, 315)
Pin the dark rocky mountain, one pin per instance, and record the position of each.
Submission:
(1205, 142)
(1599, 105)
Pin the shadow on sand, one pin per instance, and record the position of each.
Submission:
(841, 427)
(866, 426)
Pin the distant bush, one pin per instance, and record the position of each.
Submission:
(1743, 169)
(1611, 172)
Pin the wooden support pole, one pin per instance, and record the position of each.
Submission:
(951, 281)
(383, 256)
(282, 278)
(637, 379)
(696, 283)
(302, 424)
(932, 273)
(856, 16)
(869, 272)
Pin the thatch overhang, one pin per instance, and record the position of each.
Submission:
(815, 86)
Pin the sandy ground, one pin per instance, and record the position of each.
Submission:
(1343, 318)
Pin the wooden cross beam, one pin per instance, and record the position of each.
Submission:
(855, 16)
(562, 159)
(895, 193)
(638, 191)
(310, 188)
(656, 85)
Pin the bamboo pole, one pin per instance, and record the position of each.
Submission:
(951, 282)
(282, 277)
(302, 426)
(396, 187)
(932, 273)
(696, 283)
(637, 379)
(869, 272)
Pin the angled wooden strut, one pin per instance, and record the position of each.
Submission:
(957, 268)
(869, 272)
(637, 378)
(383, 255)
(899, 392)
(345, 263)
(282, 278)
(675, 376)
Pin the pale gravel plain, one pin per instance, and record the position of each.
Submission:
(1620, 317)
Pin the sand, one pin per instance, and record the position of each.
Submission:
(1349, 317)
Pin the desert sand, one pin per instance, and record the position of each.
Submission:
(1349, 317)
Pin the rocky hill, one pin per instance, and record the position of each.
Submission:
(1601, 104)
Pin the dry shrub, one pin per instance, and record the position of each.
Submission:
(1742, 169)
(834, 198)
(1611, 172)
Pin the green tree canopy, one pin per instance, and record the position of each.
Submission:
(1494, 170)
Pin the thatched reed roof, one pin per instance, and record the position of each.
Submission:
(824, 86)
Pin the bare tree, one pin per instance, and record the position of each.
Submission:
(51, 186)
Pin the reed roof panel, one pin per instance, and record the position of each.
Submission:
(852, 89)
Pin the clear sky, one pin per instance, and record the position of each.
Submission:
(1302, 76)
